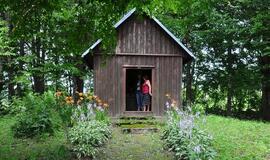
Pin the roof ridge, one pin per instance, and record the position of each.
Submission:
(126, 16)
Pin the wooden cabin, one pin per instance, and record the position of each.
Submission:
(144, 46)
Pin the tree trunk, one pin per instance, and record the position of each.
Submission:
(265, 69)
(38, 76)
(78, 84)
(189, 84)
(189, 75)
(11, 85)
(229, 82)
(229, 99)
(21, 63)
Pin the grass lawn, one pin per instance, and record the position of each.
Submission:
(238, 139)
(233, 139)
(134, 147)
(46, 147)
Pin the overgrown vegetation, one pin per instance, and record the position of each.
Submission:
(37, 118)
(86, 137)
(41, 43)
(86, 122)
(232, 139)
(183, 135)
(229, 39)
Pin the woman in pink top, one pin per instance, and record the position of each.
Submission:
(147, 92)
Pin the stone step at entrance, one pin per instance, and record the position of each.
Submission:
(138, 125)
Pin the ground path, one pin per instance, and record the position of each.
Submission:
(134, 147)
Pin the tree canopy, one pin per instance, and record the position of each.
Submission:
(230, 39)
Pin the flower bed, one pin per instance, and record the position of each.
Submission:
(87, 122)
(183, 136)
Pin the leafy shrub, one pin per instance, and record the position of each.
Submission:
(37, 117)
(88, 119)
(87, 136)
(5, 106)
(184, 137)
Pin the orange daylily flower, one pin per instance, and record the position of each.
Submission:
(167, 95)
(58, 93)
(67, 98)
(70, 101)
(105, 105)
(99, 101)
(90, 97)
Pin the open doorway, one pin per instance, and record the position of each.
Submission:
(131, 86)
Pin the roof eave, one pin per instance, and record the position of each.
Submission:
(126, 16)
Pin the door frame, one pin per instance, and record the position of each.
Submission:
(123, 101)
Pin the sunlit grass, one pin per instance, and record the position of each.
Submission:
(239, 139)
(45, 147)
(233, 139)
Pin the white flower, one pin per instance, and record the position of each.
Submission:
(100, 108)
(197, 149)
(89, 106)
(167, 104)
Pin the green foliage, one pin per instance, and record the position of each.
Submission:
(233, 139)
(5, 106)
(86, 137)
(5, 41)
(227, 37)
(37, 117)
(102, 116)
(183, 136)
(45, 147)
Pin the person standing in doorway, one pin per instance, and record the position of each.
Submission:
(147, 92)
(139, 94)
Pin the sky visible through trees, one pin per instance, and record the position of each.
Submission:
(41, 43)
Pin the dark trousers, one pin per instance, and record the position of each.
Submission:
(139, 100)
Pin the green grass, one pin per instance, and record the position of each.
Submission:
(233, 139)
(239, 139)
(45, 147)
(134, 147)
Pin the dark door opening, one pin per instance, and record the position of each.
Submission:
(131, 86)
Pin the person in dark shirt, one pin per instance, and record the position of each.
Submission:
(139, 94)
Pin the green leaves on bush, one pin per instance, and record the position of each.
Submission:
(185, 138)
(5, 106)
(87, 136)
(37, 117)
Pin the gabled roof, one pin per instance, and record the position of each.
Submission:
(129, 14)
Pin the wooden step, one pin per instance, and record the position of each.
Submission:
(138, 114)
(139, 130)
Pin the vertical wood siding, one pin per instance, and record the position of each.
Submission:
(143, 37)
(109, 80)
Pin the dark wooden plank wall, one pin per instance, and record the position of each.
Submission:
(143, 36)
(138, 39)
(109, 79)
